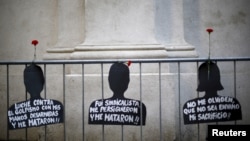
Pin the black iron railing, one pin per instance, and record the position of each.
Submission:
(165, 69)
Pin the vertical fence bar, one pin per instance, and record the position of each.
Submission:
(235, 93)
(217, 123)
(197, 80)
(8, 98)
(179, 99)
(64, 102)
(122, 136)
(45, 96)
(140, 73)
(234, 63)
(26, 97)
(160, 108)
(103, 139)
(83, 126)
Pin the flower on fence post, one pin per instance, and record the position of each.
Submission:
(34, 42)
(209, 30)
(128, 63)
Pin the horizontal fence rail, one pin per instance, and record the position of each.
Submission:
(124, 60)
(170, 81)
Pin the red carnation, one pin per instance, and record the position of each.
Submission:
(209, 30)
(128, 63)
(34, 42)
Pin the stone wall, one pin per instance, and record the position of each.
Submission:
(22, 21)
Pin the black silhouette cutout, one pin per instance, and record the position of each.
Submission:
(118, 110)
(211, 107)
(36, 111)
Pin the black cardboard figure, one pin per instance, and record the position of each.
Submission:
(36, 111)
(211, 107)
(118, 110)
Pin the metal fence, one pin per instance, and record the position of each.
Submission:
(162, 124)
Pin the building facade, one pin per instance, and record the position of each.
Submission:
(123, 30)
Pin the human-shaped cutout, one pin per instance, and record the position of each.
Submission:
(211, 107)
(36, 111)
(118, 110)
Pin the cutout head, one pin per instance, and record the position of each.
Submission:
(33, 80)
(118, 78)
(209, 77)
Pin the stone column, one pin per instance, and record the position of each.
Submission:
(177, 46)
(70, 28)
(119, 29)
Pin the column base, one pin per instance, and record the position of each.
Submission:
(181, 51)
(119, 51)
(135, 51)
(58, 53)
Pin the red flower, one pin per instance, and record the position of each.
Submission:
(34, 42)
(209, 30)
(128, 63)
